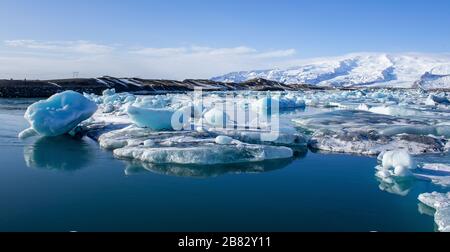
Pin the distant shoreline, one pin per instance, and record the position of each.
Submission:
(46, 88)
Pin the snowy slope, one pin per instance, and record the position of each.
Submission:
(360, 69)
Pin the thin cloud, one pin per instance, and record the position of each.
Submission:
(58, 59)
(79, 46)
(202, 50)
(277, 54)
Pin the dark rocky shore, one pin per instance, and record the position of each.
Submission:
(46, 88)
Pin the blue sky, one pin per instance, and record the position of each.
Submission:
(246, 34)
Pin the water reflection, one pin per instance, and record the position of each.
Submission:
(58, 153)
(205, 171)
(398, 186)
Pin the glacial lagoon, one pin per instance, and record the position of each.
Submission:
(70, 184)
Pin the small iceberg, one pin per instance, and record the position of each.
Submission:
(396, 163)
(152, 118)
(59, 114)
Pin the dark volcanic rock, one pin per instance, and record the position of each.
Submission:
(45, 88)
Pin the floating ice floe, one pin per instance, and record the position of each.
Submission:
(152, 118)
(441, 203)
(59, 114)
(282, 137)
(393, 111)
(437, 173)
(398, 164)
(186, 147)
(353, 131)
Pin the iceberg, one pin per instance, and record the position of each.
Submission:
(272, 105)
(152, 118)
(223, 140)
(441, 203)
(395, 163)
(397, 159)
(59, 114)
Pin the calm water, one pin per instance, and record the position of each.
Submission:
(61, 184)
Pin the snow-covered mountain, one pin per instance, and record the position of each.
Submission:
(430, 71)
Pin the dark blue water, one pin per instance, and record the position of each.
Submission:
(62, 184)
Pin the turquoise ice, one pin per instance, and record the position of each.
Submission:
(60, 113)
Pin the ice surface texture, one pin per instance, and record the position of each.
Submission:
(362, 132)
(441, 203)
(186, 147)
(60, 113)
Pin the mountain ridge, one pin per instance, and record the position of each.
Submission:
(394, 70)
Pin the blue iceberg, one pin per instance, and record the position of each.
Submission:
(60, 113)
(152, 118)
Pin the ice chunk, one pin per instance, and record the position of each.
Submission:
(204, 153)
(436, 167)
(27, 133)
(109, 92)
(149, 143)
(223, 140)
(287, 102)
(283, 137)
(397, 159)
(60, 113)
(108, 108)
(272, 105)
(441, 203)
(157, 101)
(396, 163)
(152, 118)
(394, 111)
(363, 107)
